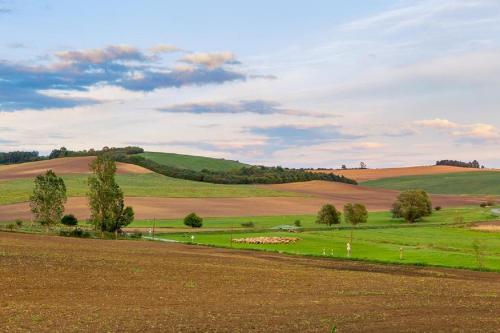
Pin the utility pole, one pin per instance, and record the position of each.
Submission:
(154, 226)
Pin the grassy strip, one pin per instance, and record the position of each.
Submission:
(474, 183)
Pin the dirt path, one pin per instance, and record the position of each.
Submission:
(61, 166)
(60, 284)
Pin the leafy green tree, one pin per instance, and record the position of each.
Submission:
(48, 199)
(355, 214)
(194, 221)
(328, 215)
(412, 205)
(69, 220)
(108, 211)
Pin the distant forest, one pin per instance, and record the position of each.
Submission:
(474, 164)
(15, 157)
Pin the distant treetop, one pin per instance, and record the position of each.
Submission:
(474, 164)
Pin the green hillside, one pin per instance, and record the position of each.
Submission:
(196, 163)
(487, 183)
(142, 185)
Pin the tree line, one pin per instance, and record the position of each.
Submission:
(474, 164)
(15, 157)
(245, 175)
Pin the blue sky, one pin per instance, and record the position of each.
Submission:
(314, 84)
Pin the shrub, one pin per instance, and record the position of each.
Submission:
(249, 224)
(194, 221)
(297, 223)
(328, 215)
(11, 226)
(136, 235)
(437, 208)
(19, 223)
(483, 205)
(490, 202)
(69, 220)
(412, 205)
(77, 232)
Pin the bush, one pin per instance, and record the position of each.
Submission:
(69, 220)
(328, 215)
(77, 232)
(19, 223)
(249, 224)
(193, 221)
(11, 226)
(136, 235)
(412, 205)
(437, 208)
(490, 203)
(297, 223)
(483, 205)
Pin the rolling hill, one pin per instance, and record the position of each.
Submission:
(475, 183)
(196, 163)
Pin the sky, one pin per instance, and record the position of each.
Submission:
(292, 83)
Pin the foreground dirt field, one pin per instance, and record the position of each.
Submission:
(61, 166)
(371, 174)
(55, 284)
(320, 193)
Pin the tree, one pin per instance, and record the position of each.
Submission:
(412, 205)
(362, 165)
(107, 208)
(69, 220)
(194, 221)
(48, 199)
(328, 215)
(355, 214)
(344, 167)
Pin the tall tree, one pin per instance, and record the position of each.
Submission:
(328, 215)
(412, 205)
(108, 211)
(48, 199)
(355, 214)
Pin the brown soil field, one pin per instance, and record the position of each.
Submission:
(57, 284)
(320, 193)
(362, 175)
(61, 166)
(493, 226)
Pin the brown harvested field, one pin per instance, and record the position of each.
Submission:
(320, 192)
(362, 175)
(493, 226)
(56, 284)
(61, 166)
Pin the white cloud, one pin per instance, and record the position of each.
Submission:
(437, 123)
(209, 60)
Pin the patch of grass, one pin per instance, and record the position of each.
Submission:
(475, 183)
(196, 163)
(143, 185)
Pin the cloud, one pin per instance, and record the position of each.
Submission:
(16, 45)
(437, 123)
(164, 48)
(469, 133)
(23, 86)
(210, 60)
(261, 107)
(302, 135)
(101, 56)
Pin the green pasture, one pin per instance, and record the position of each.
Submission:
(196, 163)
(475, 183)
(142, 185)
(422, 245)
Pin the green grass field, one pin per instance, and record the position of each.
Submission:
(469, 214)
(425, 245)
(486, 183)
(142, 185)
(196, 163)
